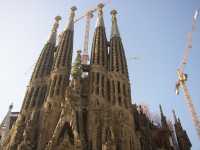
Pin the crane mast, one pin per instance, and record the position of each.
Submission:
(85, 56)
(182, 77)
(88, 15)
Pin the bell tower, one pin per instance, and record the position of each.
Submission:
(59, 80)
(118, 84)
(35, 94)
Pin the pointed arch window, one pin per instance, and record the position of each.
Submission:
(108, 90)
(102, 84)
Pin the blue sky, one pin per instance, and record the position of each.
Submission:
(153, 30)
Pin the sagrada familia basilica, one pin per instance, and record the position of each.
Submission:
(76, 106)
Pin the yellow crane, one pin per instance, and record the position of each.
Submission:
(182, 76)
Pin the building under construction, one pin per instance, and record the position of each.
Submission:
(87, 105)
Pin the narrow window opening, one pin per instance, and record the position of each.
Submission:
(102, 83)
(108, 86)
(92, 83)
(118, 86)
(113, 87)
(97, 90)
(98, 51)
(124, 89)
(120, 100)
(98, 76)
(53, 86)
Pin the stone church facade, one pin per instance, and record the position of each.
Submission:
(71, 106)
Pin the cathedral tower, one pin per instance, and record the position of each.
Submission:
(98, 63)
(97, 82)
(118, 84)
(59, 80)
(119, 96)
(109, 108)
(35, 95)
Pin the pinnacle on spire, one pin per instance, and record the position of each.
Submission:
(52, 37)
(174, 114)
(163, 118)
(100, 21)
(76, 67)
(161, 111)
(115, 29)
(11, 106)
(70, 25)
(179, 120)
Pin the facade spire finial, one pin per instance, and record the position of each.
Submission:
(53, 35)
(161, 111)
(100, 21)
(174, 115)
(70, 25)
(163, 118)
(115, 29)
(76, 67)
(11, 106)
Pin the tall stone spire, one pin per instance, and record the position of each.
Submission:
(119, 87)
(97, 78)
(98, 68)
(161, 111)
(174, 115)
(163, 118)
(53, 35)
(44, 63)
(64, 51)
(70, 25)
(99, 45)
(115, 29)
(59, 81)
(43, 67)
(100, 21)
(117, 59)
(40, 86)
(35, 95)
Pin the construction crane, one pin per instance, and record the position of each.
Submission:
(88, 16)
(183, 77)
